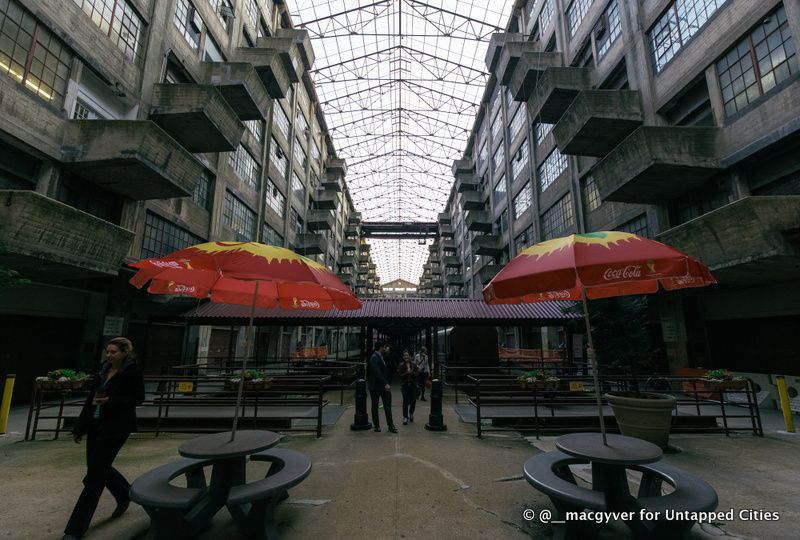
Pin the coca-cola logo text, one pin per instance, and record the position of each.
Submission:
(309, 304)
(557, 295)
(184, 289)
(165, 264)
(629, 272)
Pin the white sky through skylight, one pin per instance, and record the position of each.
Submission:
(400, 82)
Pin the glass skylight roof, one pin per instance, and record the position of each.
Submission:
(400, 82)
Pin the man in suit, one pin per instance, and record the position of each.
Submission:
(379, 388)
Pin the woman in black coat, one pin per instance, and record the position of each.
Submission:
(107, 419)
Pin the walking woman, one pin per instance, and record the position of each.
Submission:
(421, 359)
(107, 419)
(408, 378)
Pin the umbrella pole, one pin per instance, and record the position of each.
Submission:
(244, 363)
(590, 353)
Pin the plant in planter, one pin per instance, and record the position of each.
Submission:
(538, 379)
(253, 380)
(721, 379)
(63, 379)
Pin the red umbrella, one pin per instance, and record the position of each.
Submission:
(594, 265)
(246, 273)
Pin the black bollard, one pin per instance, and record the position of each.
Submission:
(361, 420)
(436, 420)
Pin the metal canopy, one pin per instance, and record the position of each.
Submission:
(400, 82)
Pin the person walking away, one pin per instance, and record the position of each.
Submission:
(379, 388)
(107, 419)
(408, 379)
(424, 368)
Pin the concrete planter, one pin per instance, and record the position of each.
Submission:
(646, 415)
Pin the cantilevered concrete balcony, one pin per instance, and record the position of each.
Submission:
(489, 245)
(487, 272)
(436, 268)
(555, 91)
(463, 166)
(319, 220)
(509, 58)
(752, 240)
(349, 245)
(472, 200)
(529, 69)
(597, 121)
(446, 231)
(467, 182)
(444, 217)
(134, 158)
(362, 270)
(454, 279)
(479, 221)
(657, 164)
(270, 66)
(197, 116)
(336, 166)
(346, 260)
(437, 282)
(301, 57)
(497, 42)
(354, 218)
(47, 240)
(311, 244)
(240, 85)
(451, 261)
(347, 279)
(332, 183)
(364, 248)
(447, 246)
(326, 200)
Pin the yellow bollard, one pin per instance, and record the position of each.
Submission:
(5, 406)
(784, 395)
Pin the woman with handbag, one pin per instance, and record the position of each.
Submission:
(107, 419)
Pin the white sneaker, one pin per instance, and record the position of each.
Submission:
(405, 421)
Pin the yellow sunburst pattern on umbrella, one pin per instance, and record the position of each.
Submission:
(606, 239)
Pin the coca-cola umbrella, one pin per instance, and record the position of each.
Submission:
(594, 265)
(245, 273)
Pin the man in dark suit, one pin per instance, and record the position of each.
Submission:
(379, 388)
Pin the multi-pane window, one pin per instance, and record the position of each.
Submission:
(524, 239)
(523, 200)
(202, 191)
(637, 225)
(541, 131)
(237, 216)
(499, 156)
(682, 20)
(550, 169)
(496, 102)
(559, 218)
(301, 122)
(295, 222)
(576, 13)
(499, 191)
(608, 29)
(223, 9)
(188, 21)
(546, 15)
(118, 20)
(278, 158)
(298, 189)
(496, 124)
(762, 60)
(520, 160)
(280, 119)
(501, 223)
(299, 153)
(256, 128)
(162, 237)
(484, 152)
(314, 152)
(244, 166)
(516, 123)
(85, 112)
(252, 12)
(41, 64)
(274, 199)
(591, 195)
(270, 236)
(509, 98)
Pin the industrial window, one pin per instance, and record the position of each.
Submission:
(517, 122)
(189, 22)
(314, 152)
(523, 200)
(301, 123)
(607, 29)
(296, 222)
(499, 156)
(546, 15)
(501, 223)
(118, 20)
(237, 216)
(298, 189)
(299, 154)
(519, 160)
(85, 112)
(270, 236)
(256, 128)
(496, 123)
(275, 199)
(223, 9)
(496, 102)
(244, 166)
(523, 239)
(211, 52)
(251, 9)
(591, 196)
(280, 119)
(559, 218)
(541, 131)
(202, 191)
(677, 26)
(278, 158)
(162, 237)
(41, 66)
(761, 61)
(554, 164)
(576, 13)
(499, 191)
(637, 225)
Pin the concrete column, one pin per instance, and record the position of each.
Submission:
(203, 339)
(673, 328)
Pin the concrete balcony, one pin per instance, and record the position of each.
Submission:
(332, 183)
(487, 272)
(446, 231)
(749, 241)
(451, 261)
(336, 166)
(364, 248)
(497, 43)
(467, 182)
(134, 158)
(489, 245)
(480, 221)
(352, 231)
(658, 164)
(320, 220)
(241, 86)
(311, 244)
(597, 121)
(463, 166)
(556, 90)
(300, 47)
(472, 200)
(510, 57)
(349, 245)
(444, 217)
(454, 279)
(436, 269)
(270, 67)
(362, 271)
(197, 116)
(346, 260)
(347, 279)
(326, 200)
(447, 246)
(46, 240)
(354, 218)
(436, 283)
(528, 71)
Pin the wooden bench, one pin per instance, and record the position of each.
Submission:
(253, 505)
(170, 507)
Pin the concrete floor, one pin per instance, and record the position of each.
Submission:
(416, 484)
